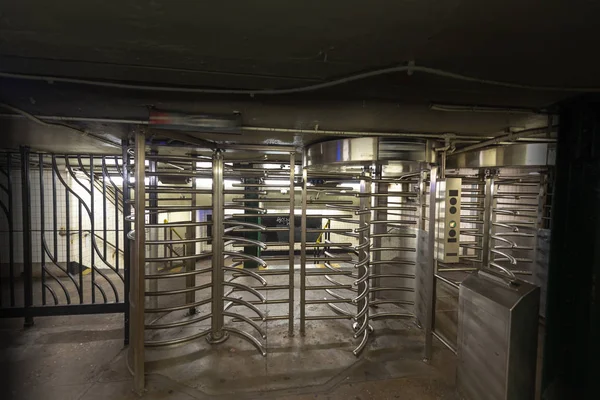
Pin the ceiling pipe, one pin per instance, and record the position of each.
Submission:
(509, 137)
(485, 109)
(411, 68)
(37, 120)
(416, 135)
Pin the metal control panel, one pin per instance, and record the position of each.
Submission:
(448, 220)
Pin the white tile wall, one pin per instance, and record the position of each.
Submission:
(42, 223)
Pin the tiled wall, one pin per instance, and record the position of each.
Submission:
(50, 192)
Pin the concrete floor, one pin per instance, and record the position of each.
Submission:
(82, 357)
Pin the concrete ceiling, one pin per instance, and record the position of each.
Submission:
(279, 44)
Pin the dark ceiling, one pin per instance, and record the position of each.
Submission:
(280, 44)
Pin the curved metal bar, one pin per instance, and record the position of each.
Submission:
(337, 296)
(178, 291)
(70, 169)
(362, 312)
(247, 256)
(362, 246)
(179, 274)
(176, 341)
(248, 321)
(362, 344)
(249, 338)
(246, 288)
(89, 213)
(514, 228)
(362, 279)
(102, 292)
(507, 234)
(247, 224)
(107, 175)
(235, 206)
(178, 308)
(67, 296)
(405, 276)
(52, 293)
(362, 295)
(180, 258)
(55, 263)
(116, 292)
(246, 272)
(512, 260)
(178, 323)
(390, 315)
(340, 310)
(361, 229)
(233, 239)
(363, 262)
(362, 328)
(503, 269)
(510, 242)
(247, 304)
(332, 268)
(338, 283)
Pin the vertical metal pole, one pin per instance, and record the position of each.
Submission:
(190, 249)
(362, 305)
(487, 220)
(217, 335)
(42, 226)
(291, 244)
(126, 243)
(138, 268)
(430, 278)
(380, 215)
(11, 230)
(27, 255)
(153, 232)
(303, 249)
(93, 229)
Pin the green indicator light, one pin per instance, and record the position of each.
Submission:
(452, 224)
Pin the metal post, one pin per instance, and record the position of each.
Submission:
(11, 230)
(303, 249)
(430, 278)
(138, 267)
(378, 215)
(153, 232)
(217, 335)
(126, 243)
(190, 250)
(487, 220)
(27, 250)
(292, 241)
(362, 306)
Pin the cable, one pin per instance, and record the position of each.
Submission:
(384, 71)
(35, 119)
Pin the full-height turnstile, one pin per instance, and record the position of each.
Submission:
(504, 223)
(202, 220)
(362, 215)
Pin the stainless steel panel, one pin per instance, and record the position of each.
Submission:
(343, 151)
(531, 154)
(540, 268)
(497, 338)
(448, 220)
(423, 272)
(346, 154)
